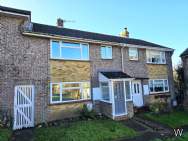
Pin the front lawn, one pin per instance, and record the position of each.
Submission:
(5, 134)
(174, 119)
(184, 137)
(94, 130)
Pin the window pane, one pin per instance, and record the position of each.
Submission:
(133, 53)
(66, 44)
(163, 59)
(103, 52)
(71, 53)
(109, 52)
(105, 91)
(72, 94)
(55, 92)
(85, 52)
(106, 52)
(55, 49)
(158, 85)
(128, 92)
(166, 85)
(66, 85)
(86, 90)
(151, 85)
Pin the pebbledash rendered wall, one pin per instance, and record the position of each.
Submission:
(23, 61)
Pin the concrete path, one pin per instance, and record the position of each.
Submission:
(148, 130)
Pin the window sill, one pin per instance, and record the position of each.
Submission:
(106, 101)
(156, 63)
(136, 60)
(106, 59)
(69, 60)
(158, 93)
(70, 102)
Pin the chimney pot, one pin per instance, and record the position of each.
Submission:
(60, 22)
(125, 33)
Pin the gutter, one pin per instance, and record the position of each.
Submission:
(37, 34)
(15, 14)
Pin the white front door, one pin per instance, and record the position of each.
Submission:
(137, 93)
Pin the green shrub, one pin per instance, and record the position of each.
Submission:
(158, 107)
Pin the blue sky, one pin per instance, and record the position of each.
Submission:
(160, 21)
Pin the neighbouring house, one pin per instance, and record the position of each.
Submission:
(184, 58)
(48, 72)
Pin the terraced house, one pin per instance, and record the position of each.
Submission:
(48, 72)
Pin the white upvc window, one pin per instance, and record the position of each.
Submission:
(105, 91)
(133, 54)
(106, 52)
(69, 50)
(155, 57)
(69, 91)
(158, 85)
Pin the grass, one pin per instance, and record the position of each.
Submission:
(174, 119)
(5, 134)
(95, 130)
(184, 137)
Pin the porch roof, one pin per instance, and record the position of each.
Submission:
(116, 75)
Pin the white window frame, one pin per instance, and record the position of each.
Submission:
(148, 51)
(61, 46)
(165, 91)
(130, 87)
(105, 57)
(133, 49)
(69, 88)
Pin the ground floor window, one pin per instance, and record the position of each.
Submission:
(158, 85)
(69, 91)
(105, 91)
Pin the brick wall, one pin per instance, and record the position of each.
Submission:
(23, 61)
(98, 64)
(69, 71)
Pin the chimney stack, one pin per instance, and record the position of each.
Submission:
(125, 33)
(60, 22)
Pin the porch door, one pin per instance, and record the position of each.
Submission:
(137, 93)
(119, 98)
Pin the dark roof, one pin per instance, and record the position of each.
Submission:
(185, 53)
(116, 75)
(13, 10)
(54, 30)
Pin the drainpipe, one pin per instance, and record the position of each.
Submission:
(122, 60)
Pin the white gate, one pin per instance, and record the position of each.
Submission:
(23, 107)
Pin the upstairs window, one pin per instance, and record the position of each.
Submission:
(106, 52)
(133, 54)
(158, 85)
(69, 51)
(155, 57)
